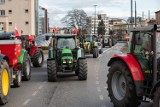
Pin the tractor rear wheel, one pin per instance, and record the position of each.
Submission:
(95, 52)
(52, 70)
(82, 68)
(156, 99)
(38, 58)
(26, 68)
(121, 87)
(4, 82)
(17, 81)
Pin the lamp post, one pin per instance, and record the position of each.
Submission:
(95, 20)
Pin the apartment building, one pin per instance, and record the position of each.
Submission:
(96, 20)
(20, 14)
(158, 17)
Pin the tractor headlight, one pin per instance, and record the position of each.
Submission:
(64, 62)
(70, 62)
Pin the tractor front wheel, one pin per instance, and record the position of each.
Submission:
(38, 58)
(82, 68)
(95, 52)
(4, 82)
(52, 70)
(26, 68)
(156, 100)
(17, 81)
(121, 87)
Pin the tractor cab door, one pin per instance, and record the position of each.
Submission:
(158, 50)
(142, 50)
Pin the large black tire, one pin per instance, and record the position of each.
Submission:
(4, 70)
(52, 70)
(121, 87)
(110, 44)
(156, 99)
(17, 81)
(38, 58)
(82, 68)
(95, 52)
(26, 68)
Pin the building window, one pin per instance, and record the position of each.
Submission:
(27, 22)
(2, 1)
(10, 23)
(2, 12)
(9, 11)
(26, 10)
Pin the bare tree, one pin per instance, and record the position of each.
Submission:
(75, 17)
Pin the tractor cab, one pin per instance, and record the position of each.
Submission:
(136, 75)
(66, 56)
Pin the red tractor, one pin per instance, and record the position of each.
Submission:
(135, 77)
(34, 51)
(14, 66)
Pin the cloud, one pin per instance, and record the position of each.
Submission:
(113, 8)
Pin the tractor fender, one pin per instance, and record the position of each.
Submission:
(80, 53)
(132, 64)
(32, 50)
(21, 58)
(3, 57)
(154, 89)
(134, 68)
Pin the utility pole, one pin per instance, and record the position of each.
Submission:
(95, 20)
(135, 14)
(131, 20)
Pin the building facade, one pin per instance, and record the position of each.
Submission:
(43, 21)
(92, 20)
(20, 14)
(158, 17)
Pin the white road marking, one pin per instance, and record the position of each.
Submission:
(26, 102)
(45, 82)
(98, 89)
(97, 82)
(107, 50)
(103, 105)
(100, 56)
(34, 93)
(101, 97)
(40, 87)
(105, 87)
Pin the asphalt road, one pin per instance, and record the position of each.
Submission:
(68, 91)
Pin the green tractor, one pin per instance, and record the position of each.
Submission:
(90, 45)
(65, 56)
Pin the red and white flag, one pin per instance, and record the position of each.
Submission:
(16, 31)
(75, 30)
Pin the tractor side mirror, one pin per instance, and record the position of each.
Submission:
(139, 40)
(47, 37)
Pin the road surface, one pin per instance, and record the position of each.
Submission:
(68, 91)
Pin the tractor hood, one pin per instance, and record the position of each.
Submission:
(67, 56)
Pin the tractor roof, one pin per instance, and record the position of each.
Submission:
(65, 36)
(144, 29)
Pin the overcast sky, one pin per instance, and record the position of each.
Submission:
(113, 8)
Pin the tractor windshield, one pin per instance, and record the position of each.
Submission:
(66, 43)
(143, 43)
(88, 39)
(158, 42)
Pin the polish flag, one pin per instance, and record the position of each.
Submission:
(75, 30)
(55, 29)
(16, 31)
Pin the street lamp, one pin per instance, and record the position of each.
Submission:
(95, 20)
